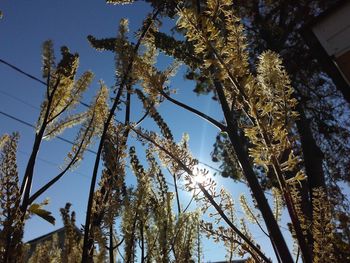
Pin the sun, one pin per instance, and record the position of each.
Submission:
(199, 178)
(200, 175)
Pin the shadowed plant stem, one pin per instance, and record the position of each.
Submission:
(88, 245)
(29, 172)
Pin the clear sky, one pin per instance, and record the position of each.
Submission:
(26, 24)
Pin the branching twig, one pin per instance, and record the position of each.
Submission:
(217, 124)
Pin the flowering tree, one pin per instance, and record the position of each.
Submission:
(63, 93)
(259, 117)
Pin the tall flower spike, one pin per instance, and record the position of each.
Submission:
(148, 104)
(62, 84)
(62, 94)
(48, 57)
(9, 192)
(10, 214)
(123, 49)
(277, 203)
(322, 228)
(92, 126)
(253, 216)
(271, 106)
(3, 139)
(58, 127)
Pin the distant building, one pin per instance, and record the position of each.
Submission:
(328, 37)
(60, 233)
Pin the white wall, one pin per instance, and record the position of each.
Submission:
(333, 31)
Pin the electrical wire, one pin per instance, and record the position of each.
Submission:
(84, 104)
(19, 100)
(21, 71)
(53, 164)
(32, 126)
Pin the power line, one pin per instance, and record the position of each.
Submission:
(17, 119)
(53, 164)
(32, 126)
(21, 71)
(42, 82)
(70, 142)
(82, 103)
(18, 99)
(31, 76)
(61, 138)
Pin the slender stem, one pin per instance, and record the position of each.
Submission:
(128, 106)
(199, 245)
(189, 203)
(257, 221)
(88, 243)
(142, 243)
(142, 118)
(219, 125)
(176, 192)
(119, 243)
(121, 255)
(111, 247)
(29, 172)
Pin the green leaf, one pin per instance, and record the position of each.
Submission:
(44, 214)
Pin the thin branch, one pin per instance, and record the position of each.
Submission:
(257, 221)
(219, 125)
(176, 191)
(142, 118)
(120, 254)
(189, 203)
(118, 244)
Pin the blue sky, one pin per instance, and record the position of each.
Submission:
(26, 24)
